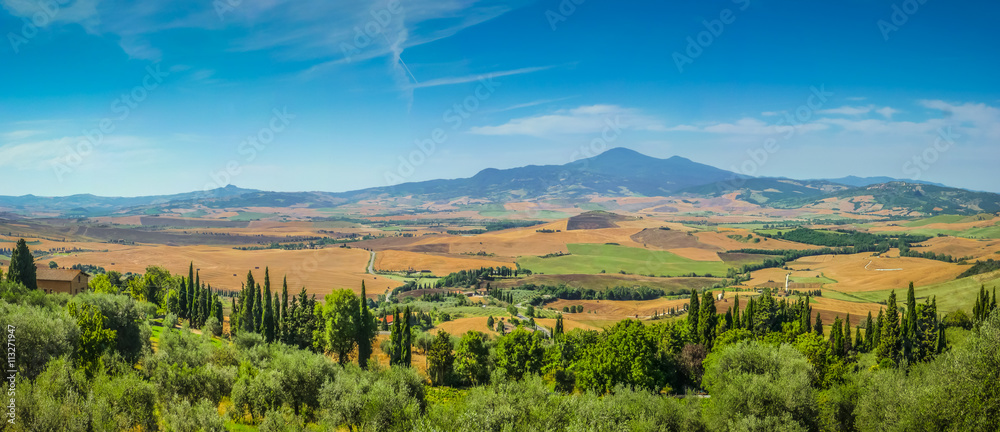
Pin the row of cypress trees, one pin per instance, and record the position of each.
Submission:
(195, 301)
(257, 310)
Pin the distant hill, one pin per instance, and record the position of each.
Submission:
(615, 173)
(924, 198)
(767, 190)
(868, 181)
(85, 205)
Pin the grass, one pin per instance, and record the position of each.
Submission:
(250, 216)
(806, 279)
(537, 214)
(194, 214)
(951, 295)
(935, 219)
(988, 232)
(593, 258)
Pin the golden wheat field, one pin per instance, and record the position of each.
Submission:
(320, 271)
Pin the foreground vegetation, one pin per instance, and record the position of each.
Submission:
(86, 363)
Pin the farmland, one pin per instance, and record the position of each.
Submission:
(596, 258)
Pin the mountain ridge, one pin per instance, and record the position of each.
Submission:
(618, 172)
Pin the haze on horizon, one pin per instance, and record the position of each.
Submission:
(114, 98)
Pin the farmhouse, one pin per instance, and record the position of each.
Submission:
(69, 281)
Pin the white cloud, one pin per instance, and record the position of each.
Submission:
(580, 120)
(533, 103)
(748, 126)
(887, 112)
(18, 135)
(849, 110)
(472, 78)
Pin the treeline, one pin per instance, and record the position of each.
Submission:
(980, 267)
(469, 278)
(318, 242)
(905, 251)
(273, 317)
(496, 226)
(860, 241)
(565, 292)
(196, 302)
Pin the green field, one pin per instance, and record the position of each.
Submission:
(593, 258)
(250, 216)
(951, 295)
(987, 232)
(805, 279)
(935, 219)
(194, 214)
(510, 214)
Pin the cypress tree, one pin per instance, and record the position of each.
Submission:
(859, 344)
(693, 311)
(258, 310)
(283, 327)
(219, 309)
(206, 304)
(267, 315)
(249, 315)
(395, 339)
(869, 331)
(736, 312)
(848, 346)
(407, 345)
(707, 320)
(22, 266)
(910, 334)
(806, 316)
(837, 337)
(189, 290)
(366, 330)
(182, 299)
(890, 343)
(819, 325)
(234, 317)
(877, 331)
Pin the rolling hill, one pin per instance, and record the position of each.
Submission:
(618, 172)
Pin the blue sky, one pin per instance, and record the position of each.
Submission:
(340, 95)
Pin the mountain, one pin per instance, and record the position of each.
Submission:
(766, 189)
(868, 181)
(925, 198)
(93, 205)
(617, 172)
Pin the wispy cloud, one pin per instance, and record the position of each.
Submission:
(472, 78)
(533, 103)
(18, 135)
(747, 126)
(581, 120)
(849, 110)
